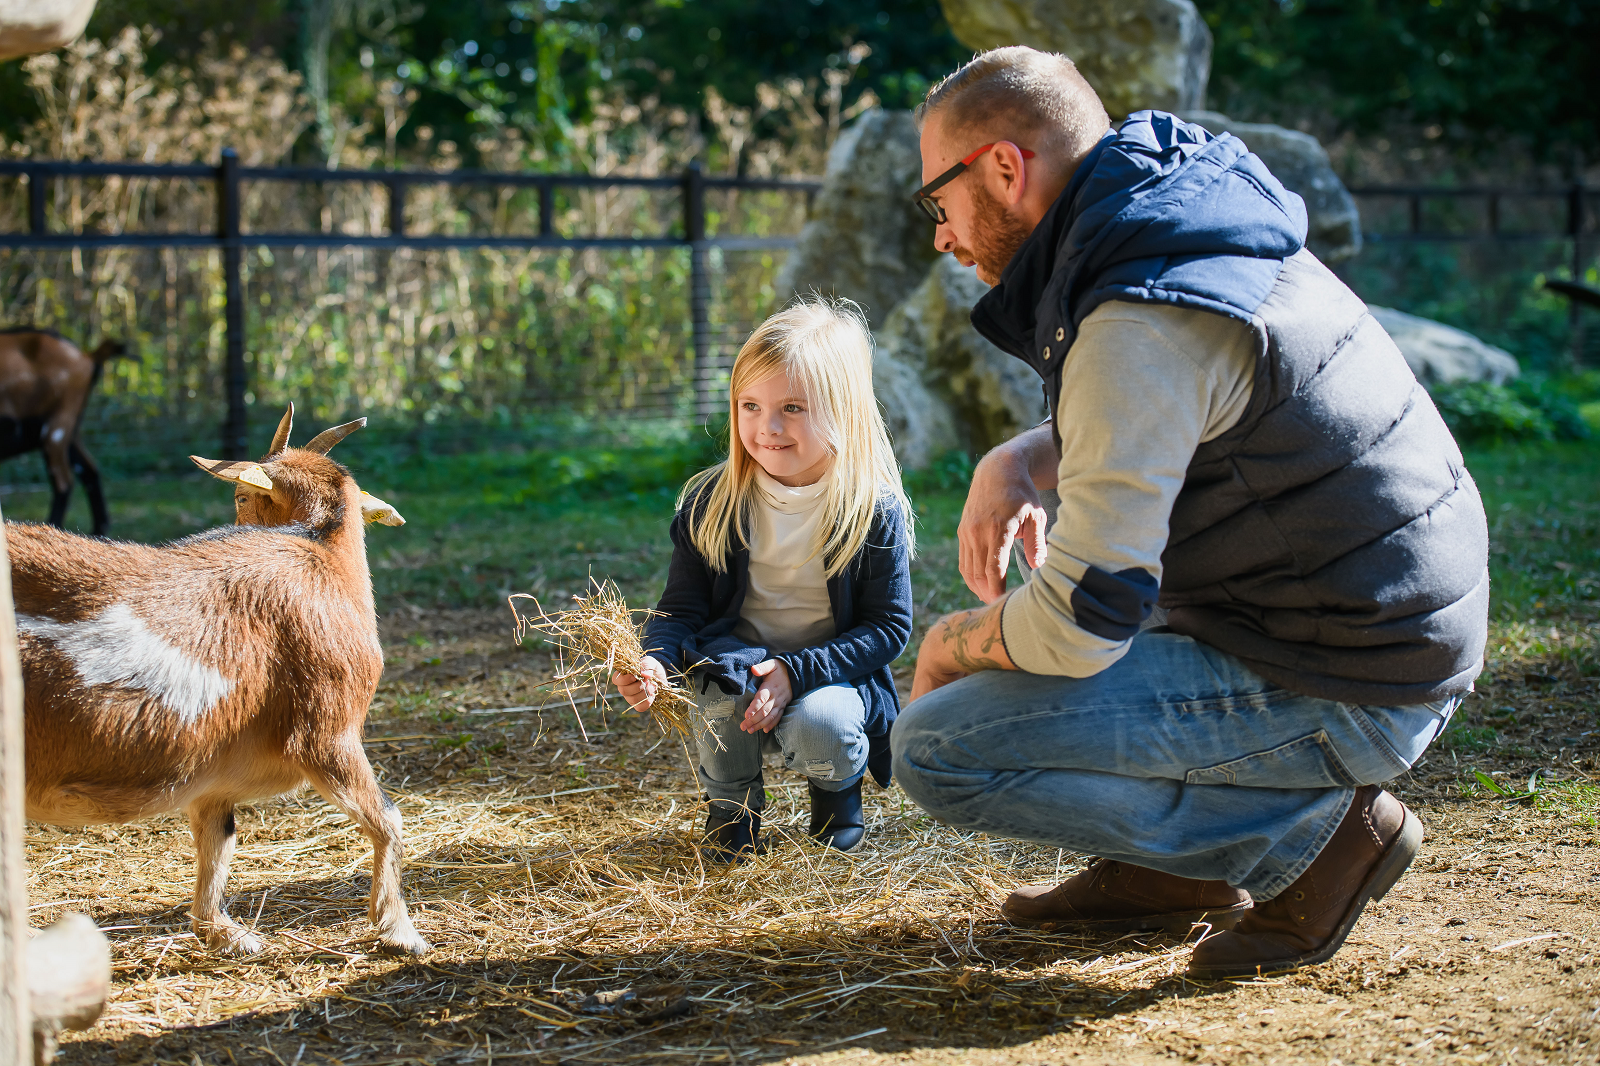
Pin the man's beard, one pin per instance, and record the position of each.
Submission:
(996, 235)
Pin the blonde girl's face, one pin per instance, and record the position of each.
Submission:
(775, 427)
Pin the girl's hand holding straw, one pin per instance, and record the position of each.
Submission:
(599, 640)
(774, 694)
(640, 689)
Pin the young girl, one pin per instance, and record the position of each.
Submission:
(789, 592)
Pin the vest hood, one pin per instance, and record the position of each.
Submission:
(1160, 211)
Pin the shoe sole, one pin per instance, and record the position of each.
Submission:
(1385, 874)
(1178, 923)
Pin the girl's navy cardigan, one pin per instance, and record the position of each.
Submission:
(871, 600)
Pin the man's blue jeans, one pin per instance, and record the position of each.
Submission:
(1177, 758)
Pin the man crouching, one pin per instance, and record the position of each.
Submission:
(1242, 455)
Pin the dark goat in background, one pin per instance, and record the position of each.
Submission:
(45, 381)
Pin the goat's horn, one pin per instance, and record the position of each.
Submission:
(329, 437)
(280, 439)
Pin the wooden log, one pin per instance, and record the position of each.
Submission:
(69, 978)
(16, 1043)
(25, 26)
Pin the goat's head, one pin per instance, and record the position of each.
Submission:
(297, 485)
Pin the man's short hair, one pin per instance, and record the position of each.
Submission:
(1036, 99)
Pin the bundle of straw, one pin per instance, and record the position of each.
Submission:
(599, 637)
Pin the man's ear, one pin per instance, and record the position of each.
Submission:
(1008, 173)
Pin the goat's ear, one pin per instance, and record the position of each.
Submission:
(329, 437)
(250, 475)
(280, 439)
(375, 510)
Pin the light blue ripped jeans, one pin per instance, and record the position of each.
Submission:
(822, 735)
(1178, 757)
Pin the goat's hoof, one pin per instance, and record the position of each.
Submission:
(405, 941)
(231, 940)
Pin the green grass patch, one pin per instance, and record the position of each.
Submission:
(481, 525)
(1543, 502)
(1579, 799)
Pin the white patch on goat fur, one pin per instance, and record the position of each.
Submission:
(115, 647)
(57, 435)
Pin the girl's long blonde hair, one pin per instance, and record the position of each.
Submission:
(824, 348)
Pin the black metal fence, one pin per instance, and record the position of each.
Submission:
(1481, 216)
(1393, 215)
(231, 238)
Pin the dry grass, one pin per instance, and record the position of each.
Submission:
(551, 859)
(598, 637)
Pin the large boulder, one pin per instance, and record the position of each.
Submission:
(1136, 53)
(865, 239)
(1299, 161)
(921, 423)
(1438, 353)
(981, 395)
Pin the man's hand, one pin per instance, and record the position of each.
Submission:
(766, 709)
(960, 644)
(640, 690)
(1002, 504)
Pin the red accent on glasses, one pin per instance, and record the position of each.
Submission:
(967, 162)
(922, 197)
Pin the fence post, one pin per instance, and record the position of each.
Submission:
(397, 207)
(36, 188)
(235, 436)
(694, 227)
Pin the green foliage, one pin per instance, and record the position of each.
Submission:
(950, 472)
(1528, 409)
(1474, 73)
(538, 65)
(1544, 534)
(1493, 290)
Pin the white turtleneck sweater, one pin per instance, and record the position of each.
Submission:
(786, 606)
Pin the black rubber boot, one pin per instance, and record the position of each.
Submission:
(836, 817)
(733, 833)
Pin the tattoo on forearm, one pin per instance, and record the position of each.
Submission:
(971, 649)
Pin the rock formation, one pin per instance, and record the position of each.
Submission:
(1438, 353)
(984, 395)
(1136, 53)
(865, 239)
(921, 423)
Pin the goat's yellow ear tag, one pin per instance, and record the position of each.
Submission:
(242, 473)
(375, 510)
(255, 475)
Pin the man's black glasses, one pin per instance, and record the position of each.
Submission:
(922, 195)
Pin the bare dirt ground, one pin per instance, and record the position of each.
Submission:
(550, 862)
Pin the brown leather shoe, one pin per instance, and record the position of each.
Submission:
(1119, 897)
(1308, 921)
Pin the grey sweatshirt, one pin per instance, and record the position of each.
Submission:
(1142, 387)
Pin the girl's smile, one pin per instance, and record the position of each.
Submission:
(776, 428)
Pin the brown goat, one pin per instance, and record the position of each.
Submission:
(45, 381)
(229, 666)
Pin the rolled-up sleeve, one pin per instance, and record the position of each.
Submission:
(1141, 388)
